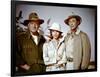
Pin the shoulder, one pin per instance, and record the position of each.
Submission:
(45, 45)
(42, 38)
(48, 43)
(83, 34)
(22, 35)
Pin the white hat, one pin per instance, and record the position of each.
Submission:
(55, 26)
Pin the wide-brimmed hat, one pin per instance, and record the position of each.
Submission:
(33, 17)
(78, 18)
(55, 26)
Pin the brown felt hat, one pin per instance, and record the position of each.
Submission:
(33, 17)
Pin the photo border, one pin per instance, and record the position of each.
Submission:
(13, 33)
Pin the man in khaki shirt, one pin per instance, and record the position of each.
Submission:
(78, 48)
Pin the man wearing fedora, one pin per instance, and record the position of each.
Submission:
(29, 54)
(78, 49)
(54, 50)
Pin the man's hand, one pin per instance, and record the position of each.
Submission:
(59, 65)
(25, 66)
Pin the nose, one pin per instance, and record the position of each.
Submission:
(34, 25)
(72, 24)
(55, 32)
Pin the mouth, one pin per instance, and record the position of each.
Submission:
(72, 26)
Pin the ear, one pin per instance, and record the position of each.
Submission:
(78, 22)
(28, 24)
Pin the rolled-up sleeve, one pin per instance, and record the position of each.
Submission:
(45, 54)
(86, 52)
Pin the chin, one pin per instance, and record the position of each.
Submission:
(73, 28)
(33, 31)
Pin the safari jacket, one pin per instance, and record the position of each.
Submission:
(29, 53)
(54, 55)
(81, 50)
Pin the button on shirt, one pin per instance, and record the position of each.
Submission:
(70, 49)
(70, 42)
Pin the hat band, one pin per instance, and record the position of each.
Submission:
(56, 30)
(34, 19)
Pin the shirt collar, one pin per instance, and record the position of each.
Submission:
(33, 35)
(30, 35)
(77, 32)
(60, 40)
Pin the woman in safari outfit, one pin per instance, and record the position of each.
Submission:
(54, 51)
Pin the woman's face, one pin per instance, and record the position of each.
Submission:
(73, 23)
(33, 26)
(55, 34)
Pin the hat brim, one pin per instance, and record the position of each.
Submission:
(73, 16)
(56, 30)
(40, 21)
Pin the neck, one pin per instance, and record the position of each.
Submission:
(74, 30)
(57, 39)
(35, 33)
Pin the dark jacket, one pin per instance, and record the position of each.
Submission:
(30, 53)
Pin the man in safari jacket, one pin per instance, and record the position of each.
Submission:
(29, 54)
(78, 48)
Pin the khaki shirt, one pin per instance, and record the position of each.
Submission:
(81, 51)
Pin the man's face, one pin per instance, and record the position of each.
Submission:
(72, 23)
(55, 34)
(33, 26)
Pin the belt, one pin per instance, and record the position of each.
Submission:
(69, 59)
(61, 65)
(50, 65)
(35, 61)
